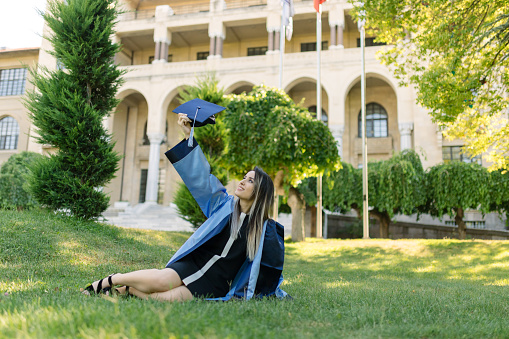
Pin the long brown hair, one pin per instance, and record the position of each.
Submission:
(263, 200)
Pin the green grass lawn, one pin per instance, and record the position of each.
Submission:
(341, 288)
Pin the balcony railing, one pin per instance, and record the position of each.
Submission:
(188, 9)
(231, 4)
(138, 15)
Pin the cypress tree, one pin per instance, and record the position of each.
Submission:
(69, 104)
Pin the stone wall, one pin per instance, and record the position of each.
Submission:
(339, 226)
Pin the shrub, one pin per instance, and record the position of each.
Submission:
(14, 192)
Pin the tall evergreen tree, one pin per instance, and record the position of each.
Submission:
(69, 105)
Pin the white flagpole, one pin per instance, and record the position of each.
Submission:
(365, 204)
(281, 52)
(319, 225)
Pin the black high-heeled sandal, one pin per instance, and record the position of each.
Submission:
(126, 293)
(99, 289)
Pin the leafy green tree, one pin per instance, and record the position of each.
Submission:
(395, 187)
(456, 55)
(342, 190)
(211, 139)
(499, 191)
(69, 104)
(267, 129)
(14, 193)
(456, 186)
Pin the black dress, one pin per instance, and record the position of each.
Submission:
(209, 270)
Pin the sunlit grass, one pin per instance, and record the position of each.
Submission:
(341, 288)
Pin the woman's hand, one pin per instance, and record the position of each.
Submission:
(185, 123)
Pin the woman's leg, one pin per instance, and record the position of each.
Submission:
(146, 281)
(180, 293)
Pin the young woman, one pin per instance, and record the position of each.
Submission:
(238, 252)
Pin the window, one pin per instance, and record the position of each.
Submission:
(202, 55)
(151, 58)
(368, 42)
(311, 46)
(376, 121)
(312, 110)
(455, 153)
(12, 81)
(143, 185)
(9, 133)
(257, 50)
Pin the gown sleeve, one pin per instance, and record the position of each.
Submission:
(194, 169)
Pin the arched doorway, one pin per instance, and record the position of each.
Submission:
(381, 121)
(127, 126)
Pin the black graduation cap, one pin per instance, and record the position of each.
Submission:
(200, 112)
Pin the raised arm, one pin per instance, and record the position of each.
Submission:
(194, 169)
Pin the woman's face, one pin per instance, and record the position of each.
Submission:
(246, 187)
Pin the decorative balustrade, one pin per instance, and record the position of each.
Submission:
(138, 15)
(189, 9)
(232, 4)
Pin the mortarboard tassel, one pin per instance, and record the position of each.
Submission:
(190, 141)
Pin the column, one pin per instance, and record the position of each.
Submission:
(276, 40)
(333, 35)
(212, 47)
(163, 54)
(337, 131)
(219, 45)
(157, 51)
(340, 36)
(271, 41)
(162, 37)
(405, 131)
(153, 167)
(337, 24)
(217, 33)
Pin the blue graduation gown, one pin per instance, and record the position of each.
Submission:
(258, 278)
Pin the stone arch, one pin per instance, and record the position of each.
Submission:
(379, 90)
(239, 87)
(304, 90)
(126, 125)
(354, 78)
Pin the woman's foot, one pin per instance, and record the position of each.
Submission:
(123, 291)
(103, 286)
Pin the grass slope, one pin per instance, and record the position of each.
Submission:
(342, 288)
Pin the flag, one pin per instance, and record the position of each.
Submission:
(287, 17)
(317, 3)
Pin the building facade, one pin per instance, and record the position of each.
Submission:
(167, 44)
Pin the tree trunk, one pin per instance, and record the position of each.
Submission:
(278, 190)
(462, 228)
(384, 226)
(312, 231)
(384, 220)
(298, 206)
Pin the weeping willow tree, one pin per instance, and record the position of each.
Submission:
(69, 104)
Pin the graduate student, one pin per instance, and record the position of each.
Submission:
(238, 252)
